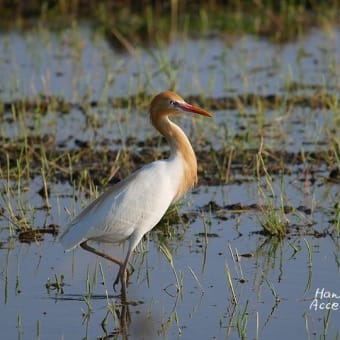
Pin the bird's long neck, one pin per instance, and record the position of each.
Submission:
(180, 148)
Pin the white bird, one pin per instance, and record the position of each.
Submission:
(132, 207)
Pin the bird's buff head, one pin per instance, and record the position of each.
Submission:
(170, 103)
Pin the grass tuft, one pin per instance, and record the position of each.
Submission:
(273, 220)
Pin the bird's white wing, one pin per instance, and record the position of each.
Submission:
(132, 206)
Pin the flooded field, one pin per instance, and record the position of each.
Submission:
(252, 252)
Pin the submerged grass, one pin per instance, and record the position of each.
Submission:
(239, 312)
(56, 285)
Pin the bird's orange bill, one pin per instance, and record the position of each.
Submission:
(195, 109)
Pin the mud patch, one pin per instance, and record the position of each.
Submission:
(242, 163)
(37, 235)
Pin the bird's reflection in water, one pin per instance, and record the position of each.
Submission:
(124, 317)
(122, 322)
(141, 327)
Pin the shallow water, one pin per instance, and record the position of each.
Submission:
(77, 63)
(205, 298)
(274, 281)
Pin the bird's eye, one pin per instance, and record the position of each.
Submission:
(172, 102)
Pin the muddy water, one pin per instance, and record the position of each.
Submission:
(273, 281)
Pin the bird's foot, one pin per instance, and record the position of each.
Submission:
(116, 281)
(122, 276)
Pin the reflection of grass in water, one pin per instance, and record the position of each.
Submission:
(57, 285)
(111, 312)
(238, 312)
(324, 328)
(179, 278)
(270, 257)
(337, 218)
(242, 321)
(310, 265)
(87, 296)
(336, 207)
(267, 255)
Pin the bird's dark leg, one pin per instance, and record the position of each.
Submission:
(85, 246)
(124, 277)
(123, 274)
